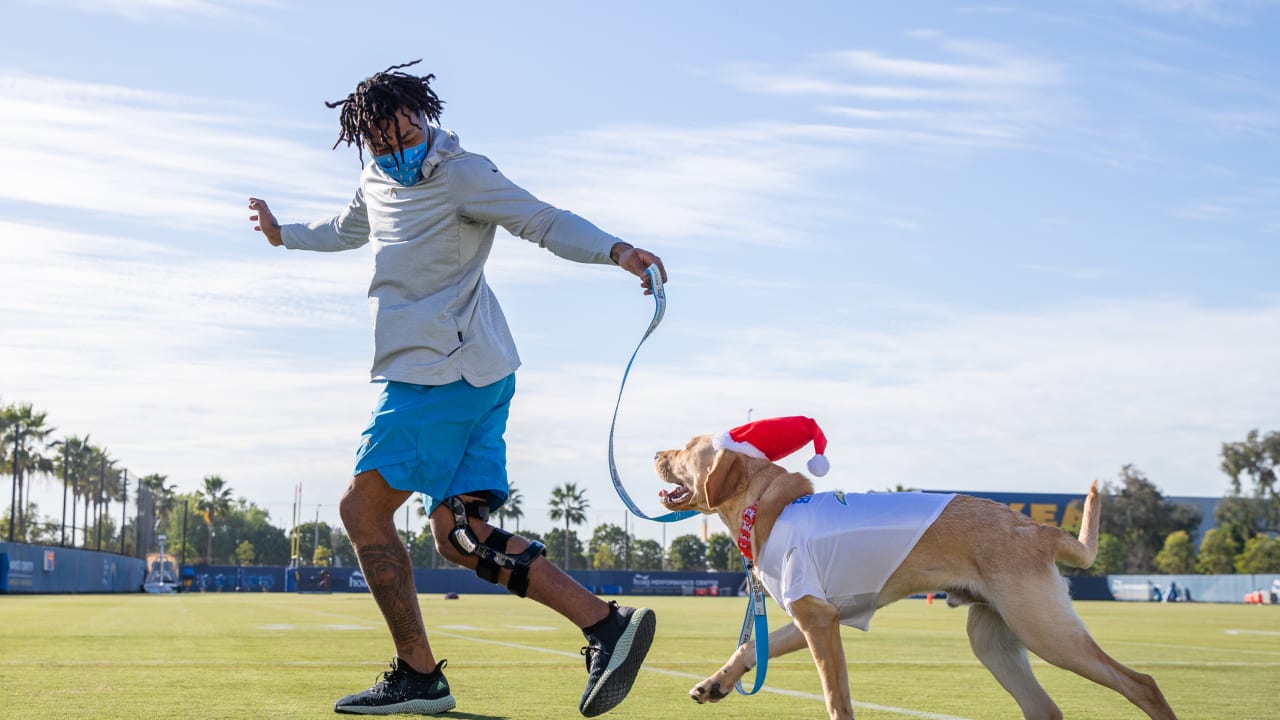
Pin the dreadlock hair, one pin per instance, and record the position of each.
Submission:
(370, 111)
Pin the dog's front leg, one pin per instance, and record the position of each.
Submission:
(820, 622)
(785, 639)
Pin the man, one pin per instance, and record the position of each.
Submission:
(443, 350)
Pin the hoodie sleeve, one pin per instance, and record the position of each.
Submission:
(483, 194)
(347, 231)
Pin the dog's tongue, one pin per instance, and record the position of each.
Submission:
(662, 493)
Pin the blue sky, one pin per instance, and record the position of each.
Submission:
(1007, 246)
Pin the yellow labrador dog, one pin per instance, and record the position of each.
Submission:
(981, 553)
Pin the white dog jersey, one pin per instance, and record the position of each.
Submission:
(842, 547)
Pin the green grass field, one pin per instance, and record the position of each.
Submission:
(290, 656)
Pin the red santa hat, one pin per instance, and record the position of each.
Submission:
(775, 438)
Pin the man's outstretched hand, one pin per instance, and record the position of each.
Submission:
(267, 223)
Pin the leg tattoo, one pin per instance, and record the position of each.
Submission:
(389, 572)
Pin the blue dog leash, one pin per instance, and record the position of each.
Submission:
(755, 619)
(660, 309)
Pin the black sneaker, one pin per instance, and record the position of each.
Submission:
(617, 646)
(402, 690)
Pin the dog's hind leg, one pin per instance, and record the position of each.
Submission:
(1004, 655)
(1039, 612)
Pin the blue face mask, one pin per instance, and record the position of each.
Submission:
(405, 167)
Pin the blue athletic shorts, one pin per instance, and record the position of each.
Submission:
(440, 440)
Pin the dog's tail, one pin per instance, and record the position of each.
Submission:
(1081, 552)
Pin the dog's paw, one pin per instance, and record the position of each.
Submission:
(707, 691)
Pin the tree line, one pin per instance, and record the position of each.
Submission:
(97, 492)
(1141, 531)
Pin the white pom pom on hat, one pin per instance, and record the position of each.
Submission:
(775, 438)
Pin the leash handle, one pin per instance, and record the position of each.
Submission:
(755, 619)
(659, 301)
(659, 310)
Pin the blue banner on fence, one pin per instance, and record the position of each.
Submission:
(44, 569)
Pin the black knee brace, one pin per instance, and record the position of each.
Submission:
(491, 555)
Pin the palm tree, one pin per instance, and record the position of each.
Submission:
(162, 494)
(78, 456)
(162, 499)
(67, 463)
(26, 438)
(512, 508)
(6, 412)
(215, 500)
(6, 421)
(101, 479)
(568, 502)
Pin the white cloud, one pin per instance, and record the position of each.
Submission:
(999, 68)
(1260, 123)
(979, 94)
(1251, 206)
(1225, 12)
(1075, 273)
(168, 161)
(149, 9)
(1045, 400)
(151, 157)
(754, 184)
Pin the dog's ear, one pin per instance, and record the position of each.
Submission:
(727, 476)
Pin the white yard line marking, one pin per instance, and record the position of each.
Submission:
(288, 627)
(185, 663)
(677, 673)
(1197, 648)
(526, 628)
(1253, 632)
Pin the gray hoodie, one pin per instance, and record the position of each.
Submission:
(435, 320)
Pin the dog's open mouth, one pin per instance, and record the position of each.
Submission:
(674, 495)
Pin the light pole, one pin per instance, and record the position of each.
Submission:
(186, 505)
(124, 508)
(63, 540)
(75, 496)
(102, 483)
(13, 502)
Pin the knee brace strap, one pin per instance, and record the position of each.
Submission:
(489, 564)
(519, 582)
(492, 558)
(461, 536)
